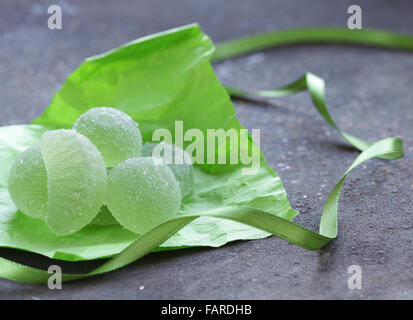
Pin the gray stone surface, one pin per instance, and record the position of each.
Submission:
(370, 95)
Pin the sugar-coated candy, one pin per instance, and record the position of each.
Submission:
(142, 193)
(28, 183)
(115, 134)
(76, 180)
(177, 159)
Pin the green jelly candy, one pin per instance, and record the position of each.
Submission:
(142, 193)
(177, 159)
(28, 183)
(76, 180)
(113, 132)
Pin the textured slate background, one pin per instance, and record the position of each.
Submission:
(370, 95)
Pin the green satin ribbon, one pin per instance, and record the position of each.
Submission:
(314, 84)
(389, 148)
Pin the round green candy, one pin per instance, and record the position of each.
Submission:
(76, 180)
(28, 183)
(177, 159)
(113, 132)
(142, 193)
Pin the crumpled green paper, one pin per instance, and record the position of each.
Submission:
(157, 80)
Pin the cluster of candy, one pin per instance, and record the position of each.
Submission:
(100, 163)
